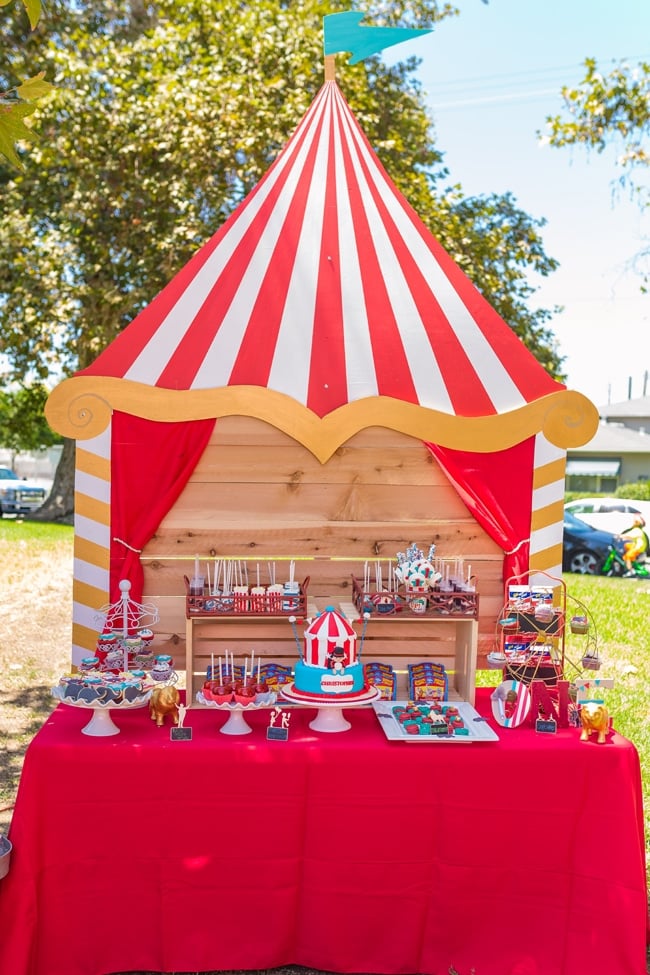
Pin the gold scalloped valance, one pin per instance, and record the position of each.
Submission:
(81, 407)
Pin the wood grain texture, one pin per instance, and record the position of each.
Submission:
(259, 495)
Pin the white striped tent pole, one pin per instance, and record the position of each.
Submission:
(90, 586)
(547, 515)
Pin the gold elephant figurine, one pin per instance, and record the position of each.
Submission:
(164, 701)
(594, 717)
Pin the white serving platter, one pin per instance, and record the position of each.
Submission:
(478, 727)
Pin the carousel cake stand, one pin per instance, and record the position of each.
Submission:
(101, 725)
(236, 723)
(330, 716)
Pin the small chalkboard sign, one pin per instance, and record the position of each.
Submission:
(180, 734)
(546, 726)
(277, 734)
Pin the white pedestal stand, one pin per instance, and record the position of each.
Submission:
(236, 723)
(330, 716)
(330, 719)
(101, 725)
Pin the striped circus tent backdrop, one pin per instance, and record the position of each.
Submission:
(325, 306)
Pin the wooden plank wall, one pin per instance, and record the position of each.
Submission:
(258, 494)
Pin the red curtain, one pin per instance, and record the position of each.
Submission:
(151, 463)
(497, 489)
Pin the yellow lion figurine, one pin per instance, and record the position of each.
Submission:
(594, 717)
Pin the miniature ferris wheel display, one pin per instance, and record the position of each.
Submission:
(531, 634)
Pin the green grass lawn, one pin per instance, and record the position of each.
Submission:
(34, 532)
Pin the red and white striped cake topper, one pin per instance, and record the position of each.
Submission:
(329, 630)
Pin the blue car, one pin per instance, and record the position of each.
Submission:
(586, 548)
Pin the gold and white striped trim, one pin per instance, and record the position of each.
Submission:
(547, 513)
(90, 588)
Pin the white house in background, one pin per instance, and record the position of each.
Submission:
(616, 455)
(632, 413)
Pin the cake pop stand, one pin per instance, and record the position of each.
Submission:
(236, 723)
(330, 716)
(101, 724)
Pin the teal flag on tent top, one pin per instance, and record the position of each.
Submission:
(343, 32)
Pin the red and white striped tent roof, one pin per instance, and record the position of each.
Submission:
(331, 627)
(326, 290)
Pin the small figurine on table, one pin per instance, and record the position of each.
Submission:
(164, 701)
(594, 717)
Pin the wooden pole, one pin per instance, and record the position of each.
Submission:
(330, 67)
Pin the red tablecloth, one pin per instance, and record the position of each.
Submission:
(343, 852)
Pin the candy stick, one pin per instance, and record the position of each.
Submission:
(259, 669)
(212, 667)
(208, 569)
(196, 567)
(252, 662)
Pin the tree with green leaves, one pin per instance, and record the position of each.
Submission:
(164, 116)
(22, 420)
(611, 109)
(18, 101)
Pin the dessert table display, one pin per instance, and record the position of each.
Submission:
(347, 853)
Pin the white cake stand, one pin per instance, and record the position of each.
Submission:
(330, 716)
(236, 723)
(101, 725)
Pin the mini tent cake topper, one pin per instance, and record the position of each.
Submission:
(328, 631)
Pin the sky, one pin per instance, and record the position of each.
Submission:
(491, 76)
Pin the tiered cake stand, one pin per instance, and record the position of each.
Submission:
(330, 716)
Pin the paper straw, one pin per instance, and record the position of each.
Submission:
(212, 667)
(220, 673)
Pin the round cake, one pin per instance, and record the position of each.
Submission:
(330, 666)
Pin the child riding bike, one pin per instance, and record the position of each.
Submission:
(636, 543)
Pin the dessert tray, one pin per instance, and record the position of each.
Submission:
(477, 727)
(101, 724)
(236, 723)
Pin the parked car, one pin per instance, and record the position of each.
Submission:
(610, 514)
(586, 548)
(18, 495)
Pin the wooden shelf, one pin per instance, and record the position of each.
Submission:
(393, 638)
